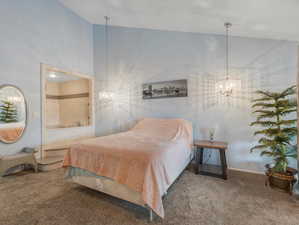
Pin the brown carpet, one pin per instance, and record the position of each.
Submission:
(46, 199)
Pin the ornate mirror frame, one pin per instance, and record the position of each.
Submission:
(26, 115)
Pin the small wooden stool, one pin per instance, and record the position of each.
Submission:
(200, 146)
(10, 161)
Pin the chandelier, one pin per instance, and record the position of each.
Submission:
(228, 86)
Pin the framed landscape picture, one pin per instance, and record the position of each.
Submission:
(165, 89)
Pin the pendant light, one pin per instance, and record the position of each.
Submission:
(228, 86)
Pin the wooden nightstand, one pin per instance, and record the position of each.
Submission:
(205, 169)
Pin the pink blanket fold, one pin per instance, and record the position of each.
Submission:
(141, 158)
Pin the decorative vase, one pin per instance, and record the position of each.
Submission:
(211, 135)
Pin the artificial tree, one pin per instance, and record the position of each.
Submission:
(278, 128)
(8, 112)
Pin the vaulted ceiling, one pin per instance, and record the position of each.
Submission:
(274, 19)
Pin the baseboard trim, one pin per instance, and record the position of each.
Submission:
(246, 171)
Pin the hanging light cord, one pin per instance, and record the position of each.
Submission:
(227, 25)
(106, 45)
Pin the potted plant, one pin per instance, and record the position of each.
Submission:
(273, 112)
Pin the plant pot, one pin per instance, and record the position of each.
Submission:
(281, 181)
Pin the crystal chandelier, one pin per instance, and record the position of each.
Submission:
(228, 86)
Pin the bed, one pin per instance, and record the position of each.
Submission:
(138, 165)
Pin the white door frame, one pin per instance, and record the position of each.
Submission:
(45, 68)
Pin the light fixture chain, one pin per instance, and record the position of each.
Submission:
(106, 46)
(227, 55)
(227, 25)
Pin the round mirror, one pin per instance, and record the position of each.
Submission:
(13, 114)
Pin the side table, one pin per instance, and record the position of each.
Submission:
(200, 168)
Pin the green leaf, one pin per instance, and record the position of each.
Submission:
(268, 142)
(282, 139)
(266, 116)
(263, 99)
(287, 122)
(263, 111)
(292, 156)
(258, 147)
(290, 130)
(264, 123)
(264, 105)
(267, 153)
(286, 104)
(266, 93)
(269, 132)
(288, 111)
(289, 91)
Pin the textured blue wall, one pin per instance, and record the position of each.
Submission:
(136, 56)
(34, 32)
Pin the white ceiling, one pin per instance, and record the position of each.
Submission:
(275, 19)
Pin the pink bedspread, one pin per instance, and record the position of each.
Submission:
(140, 158)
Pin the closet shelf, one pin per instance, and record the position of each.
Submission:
(57, 97)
